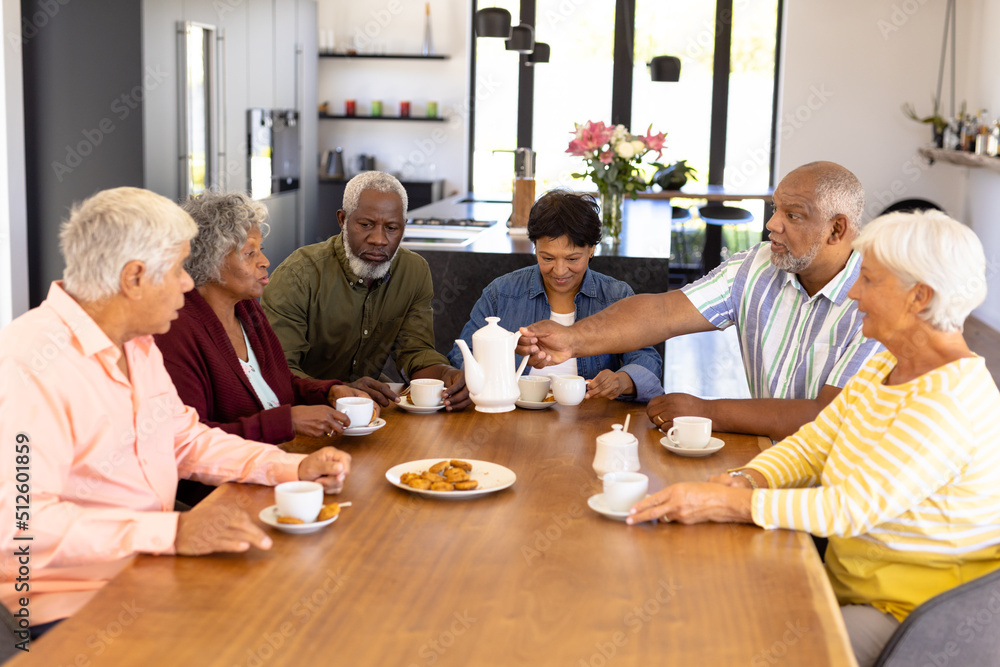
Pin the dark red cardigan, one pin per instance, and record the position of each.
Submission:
(208, 376)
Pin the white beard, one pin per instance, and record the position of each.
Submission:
(362, 269)
(792, 264)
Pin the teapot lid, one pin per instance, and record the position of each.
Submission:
(492, 331)
(616, 436)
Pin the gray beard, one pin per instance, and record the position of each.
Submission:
(361, 268)
(797, 264)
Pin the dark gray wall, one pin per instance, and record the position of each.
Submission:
(80, 136)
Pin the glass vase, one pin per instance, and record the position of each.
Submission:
(612, 202)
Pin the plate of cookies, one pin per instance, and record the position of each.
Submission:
(450, 479)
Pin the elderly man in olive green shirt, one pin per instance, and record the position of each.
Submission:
(341, 307)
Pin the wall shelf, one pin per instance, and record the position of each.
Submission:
(438, 119)
(397, 56)
(961, 158)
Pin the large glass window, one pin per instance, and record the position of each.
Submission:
(576, 86)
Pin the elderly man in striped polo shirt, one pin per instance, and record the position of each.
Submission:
(800, 335)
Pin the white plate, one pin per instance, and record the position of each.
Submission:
(600, 505)
(714, 445)
(534, 405)
(365, 430)
(406, 404)
(269, 515)
(491, 477)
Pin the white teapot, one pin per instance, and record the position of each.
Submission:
(490, 374)
(617, 451)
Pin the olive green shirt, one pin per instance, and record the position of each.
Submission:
(332, 326)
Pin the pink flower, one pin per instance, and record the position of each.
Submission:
(589, 137)
(654, 142)
(607, 156)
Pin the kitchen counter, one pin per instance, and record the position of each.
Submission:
(465, 259)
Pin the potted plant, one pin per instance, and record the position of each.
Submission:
(935, 120)
(673, 176)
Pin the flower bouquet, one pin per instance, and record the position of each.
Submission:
(613, 156)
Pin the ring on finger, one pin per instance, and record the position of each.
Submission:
(659, 419)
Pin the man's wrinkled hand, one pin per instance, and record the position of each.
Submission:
(329, 466)
(207, 529)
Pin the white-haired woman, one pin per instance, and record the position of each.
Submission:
(223, 356)
(901, 469)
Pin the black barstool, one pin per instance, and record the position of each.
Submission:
(716, 216)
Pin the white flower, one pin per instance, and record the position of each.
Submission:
(638, 146)
(625, 150)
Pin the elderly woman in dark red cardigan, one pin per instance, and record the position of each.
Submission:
(221, 353)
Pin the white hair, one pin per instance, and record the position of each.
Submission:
(224, 220)
(838, 191)
(931, 248)
(371, 180)
(115, 227)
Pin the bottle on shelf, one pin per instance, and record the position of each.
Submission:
(428, 39)
(993, 143)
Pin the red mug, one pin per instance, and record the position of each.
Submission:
(349, 108)
(404, 109)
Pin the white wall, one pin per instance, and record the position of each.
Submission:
(438, 150)
(847, 68)
(13, 208)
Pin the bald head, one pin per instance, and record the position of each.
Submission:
(837, 192)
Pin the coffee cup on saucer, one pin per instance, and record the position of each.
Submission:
(569, 389)
(534, 388)
(426, 392)
(690, 432)
(360, 410)
(299, 500)
(622, 490)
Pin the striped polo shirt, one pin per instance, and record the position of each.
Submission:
(792, 343)
(905, 478)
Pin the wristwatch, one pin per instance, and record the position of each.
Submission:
(746, 476)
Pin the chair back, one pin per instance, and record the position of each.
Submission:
(957, 627)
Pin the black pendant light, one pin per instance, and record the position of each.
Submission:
(522, 39)
(665, 68)
(493, 22)
(539, 55)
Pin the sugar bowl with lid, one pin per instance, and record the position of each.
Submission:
(617, 451)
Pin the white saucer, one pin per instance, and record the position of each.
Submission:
(714, 445)
(269, 515)
(365, 430)
(534, 405)
(600, 505)
(406, 404)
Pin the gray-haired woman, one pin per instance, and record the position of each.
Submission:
(900, 470)
(221, 353)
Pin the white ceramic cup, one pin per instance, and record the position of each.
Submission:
(569, 389)
(690, 432)
(426, 393)
(534, 388)
(299, 500)
(358, 409)
(624, 489)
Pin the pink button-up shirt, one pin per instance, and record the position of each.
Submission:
(102, 454)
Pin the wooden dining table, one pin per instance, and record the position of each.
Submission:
(528, 575)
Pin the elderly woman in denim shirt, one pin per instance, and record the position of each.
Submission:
(565, 228)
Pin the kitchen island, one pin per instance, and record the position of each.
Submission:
(467, 245)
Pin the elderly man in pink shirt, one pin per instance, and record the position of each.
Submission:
(93, 434)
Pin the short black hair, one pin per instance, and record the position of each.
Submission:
(565, 213)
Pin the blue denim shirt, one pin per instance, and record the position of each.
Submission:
(518, 299)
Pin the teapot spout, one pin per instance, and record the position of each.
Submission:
(475, 378)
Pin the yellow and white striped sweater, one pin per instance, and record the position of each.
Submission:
(905, 479)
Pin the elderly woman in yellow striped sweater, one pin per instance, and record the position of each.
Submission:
(902, 469)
